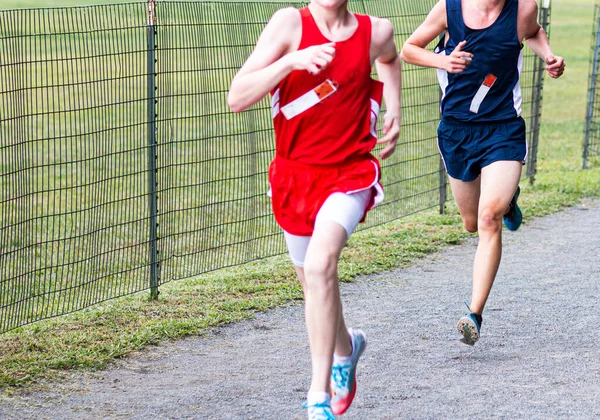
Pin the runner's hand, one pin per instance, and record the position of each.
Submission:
(314, 59)
(391, 132)
(458, 60)
(555, 66)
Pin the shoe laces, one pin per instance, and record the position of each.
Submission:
(319, 411)
(340, 375)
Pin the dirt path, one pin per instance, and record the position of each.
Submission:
(539, 355)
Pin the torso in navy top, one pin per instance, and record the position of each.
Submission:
(488, 90)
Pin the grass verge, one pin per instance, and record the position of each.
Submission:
(91, 339)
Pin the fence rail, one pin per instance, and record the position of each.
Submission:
(121, 167)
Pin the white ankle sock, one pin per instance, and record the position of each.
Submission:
(316, 397)
(342, 360)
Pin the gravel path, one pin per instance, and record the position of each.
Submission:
(538, 358)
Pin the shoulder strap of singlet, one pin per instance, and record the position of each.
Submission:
(454, 18)
(311, 34)
(512, 5)
(512, 15)
(365, 27)
(304, 12)
(307, 18)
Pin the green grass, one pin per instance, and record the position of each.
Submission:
(84, 173)
(92, 338)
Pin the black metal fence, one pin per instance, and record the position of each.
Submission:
(121, 167)
(591, 143)
(532, 85)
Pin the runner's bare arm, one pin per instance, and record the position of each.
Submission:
(537, 39)
(389, 71)
(274, 57)
(414, 51)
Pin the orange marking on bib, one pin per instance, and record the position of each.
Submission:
(490, 79)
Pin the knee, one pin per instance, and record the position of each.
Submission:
(490, 221)
(470, 224)
(320, 270)
(469, 219)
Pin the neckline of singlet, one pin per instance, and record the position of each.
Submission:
(326, 38)
(462, 18)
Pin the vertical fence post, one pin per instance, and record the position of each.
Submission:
(592, 92)
(151, 105)
(442, 168)
(538, 77)
(443, 186)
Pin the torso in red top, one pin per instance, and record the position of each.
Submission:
(342, 125)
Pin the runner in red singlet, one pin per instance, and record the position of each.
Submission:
(316, 63)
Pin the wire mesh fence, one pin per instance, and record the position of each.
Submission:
(591, 143)
(73, 203)
(121, 167)
(532, 84)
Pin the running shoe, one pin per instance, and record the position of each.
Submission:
(319, 411)
(513, 218)
(469, 327)
(343, 377)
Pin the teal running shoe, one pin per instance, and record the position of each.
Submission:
(319, 411)
(513, 218)
(343, 377)
(469, 327)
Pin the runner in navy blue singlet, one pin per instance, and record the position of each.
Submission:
(481, 136)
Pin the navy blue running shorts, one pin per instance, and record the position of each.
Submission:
(468, 147)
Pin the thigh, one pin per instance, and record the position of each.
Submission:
(499, 182)
(297, 246)
(466, 195)
(347, 210)
(325, 247)
(335, 222)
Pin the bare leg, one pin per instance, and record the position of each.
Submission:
(481, 204)
(343, 343)
(499, 182)
(324, 320)
(466, 195)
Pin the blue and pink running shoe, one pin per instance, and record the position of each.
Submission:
(343, 377)
(319, 411)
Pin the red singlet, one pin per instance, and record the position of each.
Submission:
(326, 147)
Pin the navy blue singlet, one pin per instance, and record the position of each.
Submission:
(497, 61)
